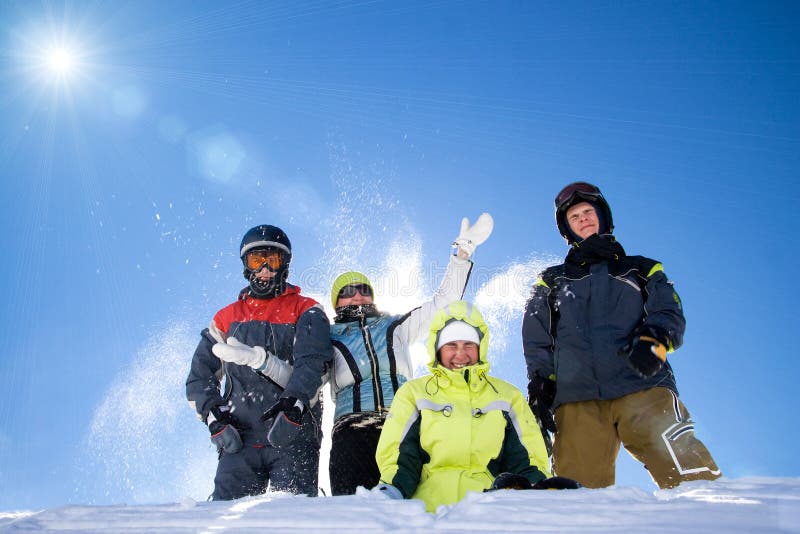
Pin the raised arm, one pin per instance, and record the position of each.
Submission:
(455, 278)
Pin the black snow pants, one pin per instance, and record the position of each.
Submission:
(354, 441)
(254, 469)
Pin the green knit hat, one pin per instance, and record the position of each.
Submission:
(346, 279)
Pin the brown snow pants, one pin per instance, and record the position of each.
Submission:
(653, 425)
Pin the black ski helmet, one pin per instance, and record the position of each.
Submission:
(575, 193)
(262, 237)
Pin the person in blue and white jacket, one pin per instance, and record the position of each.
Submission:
(372, 359)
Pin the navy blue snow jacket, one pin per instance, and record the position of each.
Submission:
(290, 327)
(583, 311)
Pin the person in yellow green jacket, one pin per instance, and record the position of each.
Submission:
(458, 429)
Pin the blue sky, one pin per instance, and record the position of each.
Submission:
(366, 130)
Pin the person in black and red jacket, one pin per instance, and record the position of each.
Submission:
(273, 348)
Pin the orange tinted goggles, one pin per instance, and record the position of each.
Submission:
(255, 260)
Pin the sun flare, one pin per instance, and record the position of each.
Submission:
(61, 61)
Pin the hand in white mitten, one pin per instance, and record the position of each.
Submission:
(472, 236)
(234, 351)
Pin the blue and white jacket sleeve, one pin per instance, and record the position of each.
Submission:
(450, 290)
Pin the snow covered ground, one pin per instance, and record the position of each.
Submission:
(727, 505)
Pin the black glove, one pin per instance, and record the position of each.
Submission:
(557, 483)
(510, 481)
(221, 414)
(646, 355)
(541, 393)
(288, 415)
(291, 407)
(223, 434)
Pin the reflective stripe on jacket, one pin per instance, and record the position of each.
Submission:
(579, 316)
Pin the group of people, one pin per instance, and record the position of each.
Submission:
(596, 332)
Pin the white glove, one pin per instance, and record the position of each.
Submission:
(234, 351)
(472, 236)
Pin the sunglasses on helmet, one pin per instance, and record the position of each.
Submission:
(350, 291)
(256, 259)
(571, 190)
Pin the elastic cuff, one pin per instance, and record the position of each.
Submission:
(657, 332)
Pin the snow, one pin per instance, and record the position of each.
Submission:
(726, 505)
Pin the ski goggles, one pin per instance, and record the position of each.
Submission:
(577, 188)
(256, 259)
(350, 291)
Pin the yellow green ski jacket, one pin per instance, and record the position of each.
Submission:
(454, 431)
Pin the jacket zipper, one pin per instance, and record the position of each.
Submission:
(373, 360)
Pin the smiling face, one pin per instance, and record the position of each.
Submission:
(582, 220)
(458, 354)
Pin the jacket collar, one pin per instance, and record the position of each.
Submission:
(473, 376)
(594, 249)
(245, 295)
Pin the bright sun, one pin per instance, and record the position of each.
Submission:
(61, 61)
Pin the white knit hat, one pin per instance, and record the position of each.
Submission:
(458, 331)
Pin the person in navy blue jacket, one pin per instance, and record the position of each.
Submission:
(596, 333)
(272, 346)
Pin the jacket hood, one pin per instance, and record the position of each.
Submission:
(460, 310)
